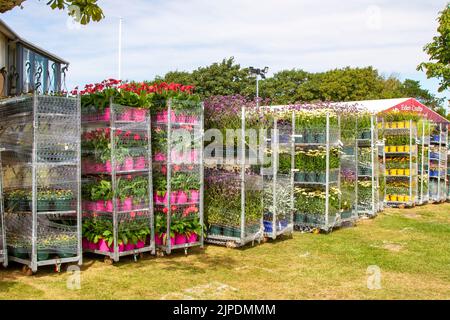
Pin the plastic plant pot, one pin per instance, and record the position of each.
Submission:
(181, 197)
(320, 137)
(140, 244)
(268, 226)
(228, 232)
(106, 115)
(180, 238)
(407, 172)
(215, 230)
(393, 172)
(401, 149)
(84, 243)
(94, 246)
(394, 198)
(321, 177)
(400, 124)
(103, 245)
(236, 232)
(65, 252)
(139, 114)
(386, 149)
(43, 205)
(401, 172)
(166, 240)
(127, 204)
(42, 255)
(160, 157)
(100, 205)
(129, 246)
(401, 198)
(192, 238)
(91, 205)
(194, 196)
(128, 164)
(139, 163)
(99, 167)
(174, 197)
(21, 253)
(299, 176)
(158, 239)
(392, 148)
(121, 247)
(108, 166)
(126, 115)
(194, 156)
(299, 217)
(161, 117)
(109, 207)
(181, 118)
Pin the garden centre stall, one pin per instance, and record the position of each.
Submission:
(423, 145)
(177, 143)
(117, 180)
(369, 193)
(3, 248)
(348, 166)
(316, 135)
(233, 181)
(438, 162)
(278, 196)
(41, 176)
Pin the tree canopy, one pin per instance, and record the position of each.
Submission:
(82, 11)
(290, 86)
(439, 52)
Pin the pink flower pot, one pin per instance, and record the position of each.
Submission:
(192, 238)
(173, 117)
(140, 244)
(89, 167)
(165, 241)
(127, 204)
(160, 157)
(100, 167)
(181, 118)
(126, 115)
(195, 195)
(129, 247)
(139, 115)
(121, 247)
(91, 205)
(128, 164)
(103, 245)
(106, 115)
(85, 243)
(109, 207)
(174, 197)
(161, 117)
(108, 167)
(180, 238)
(93, 246)
(139, 163)
(182, 197)
(100, 205)
(177, 156)
(158, 239)
(194, 156)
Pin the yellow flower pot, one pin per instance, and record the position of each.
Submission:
(387, 198)
(406, 148)
(392, 125)
(406, 198)
(400, 149)
(386, 149)
(400, 124)
(393, 172)
(393, 198)
(386, 172)
(392, 148)
(380, 125)
(401, 172)
(406, 172)
(407, 124)
(401, 198)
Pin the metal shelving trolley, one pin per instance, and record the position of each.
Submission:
(177, 140)
(368, 188)
(117, 182)
(448, 169)
(317, 169)
(3, 247)
(278, 197)
(423, 145)
(41, 176)
(401, 162)
(233, 182)
(438, 162)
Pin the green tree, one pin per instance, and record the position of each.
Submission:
(82, 10)
(439, 52)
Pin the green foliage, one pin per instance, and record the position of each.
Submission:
(83, 11)
(439, 52)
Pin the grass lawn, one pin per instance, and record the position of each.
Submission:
(410, 246)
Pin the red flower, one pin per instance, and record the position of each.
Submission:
(137, 137)
(165, 210)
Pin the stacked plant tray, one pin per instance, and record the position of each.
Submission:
(423, 145)
(233, 180)
(317, 170)
(401, 162)
(438, 162)
(177, 141)
(368, 187)
(41, 171)
(3, 247)
(117, 182)
(278, 197)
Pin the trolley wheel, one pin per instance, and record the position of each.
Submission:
(230, 244)
(185, 251)
(27, 271)
(108, 260)
(160, 253)
(265, 239)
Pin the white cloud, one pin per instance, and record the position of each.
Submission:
(160, 36)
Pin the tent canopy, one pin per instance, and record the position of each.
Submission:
(398, 105)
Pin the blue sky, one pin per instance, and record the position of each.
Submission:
(160, 36)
